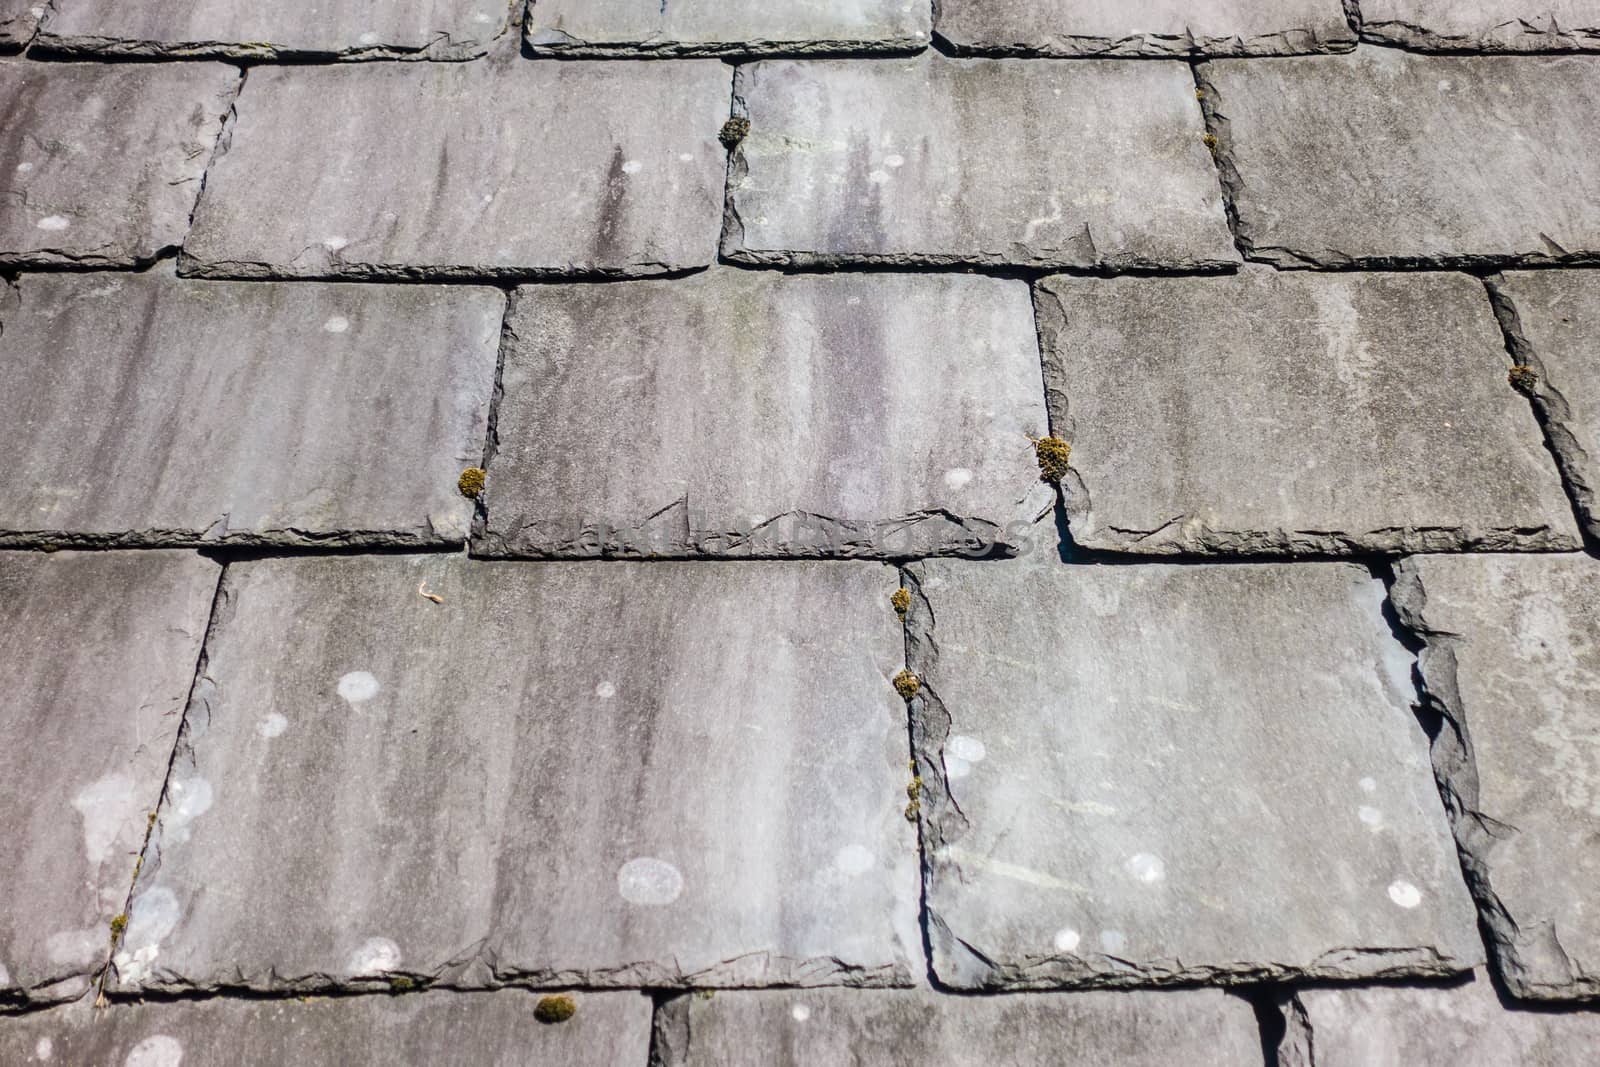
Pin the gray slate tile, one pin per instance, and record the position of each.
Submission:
(1553, 317)
(1484, 25)
(240, 411)
(1383, 157)
(1463, 1025)
(609, 1030)
(974, 161)
(18, 20)
(910, 1028)
(498, 168)
(1165, 774)
(762, 414)
(1282, 413)
(1512, 660)
(1145, 27)
(606, 774)
(339, 29)
(726, 27)
(97, 653)
(100, 165)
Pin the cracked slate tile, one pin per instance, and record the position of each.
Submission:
(102, 163)
(242, 412)
(961, 161)
(1397, 1026)
(909, 1028)
(1512, 662)
(592, 774)
(97, 653)
(18, 20)
(500, 168)
(1144, 27)
(726, 27)
(1552, 318)
(608, 1029)
(1484, 25)
(338, 29)
(1385, 158)
(1288, 413)
(1174, 774)
(757, 413)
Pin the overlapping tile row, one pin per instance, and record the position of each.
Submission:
(725, 27)
(1483, 25)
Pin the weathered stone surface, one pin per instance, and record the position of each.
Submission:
(238, 411)
(18, 20)
(1273, 413)
(97, 653)
(1383, 157)
(726, 27)
(1160, 774)
(341, 29)
(498, 168)
(1512, 661)
(1464, 1025)
(1552, 318)
(1145, 27)
(762, 414)
(1484, 25)
(909, 1028)
(974, 161)
(543, 778)
(100, 165)
(609, 1030)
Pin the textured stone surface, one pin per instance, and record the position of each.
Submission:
(1464, 1025)
(1156, 774)
(909, 1028)
(97, 653)
(757, 413)
(974, 161)
(724, 27)
(1553, 318)
(1273, 412)
(345, 29)
(241, 411)
(497, 168)
(609, 1030)
(100, 165)
(1512, 660)
(1386, 157)
(543, 778)
(18, 20)
(1484, 25)
(1145, 27)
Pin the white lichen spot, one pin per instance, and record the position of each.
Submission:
(605, 690)
(879, 177)
(894, 161)
(1067, 939)
(1147, 868)
(369, 38)
(1405, 894)
(106, 806)
(1368, 785)
(685, 157)
(43, 1049)
(337, 324)
(271, 725)
(53, 222)
(483, 16)
(956, 767)
(632, 166)
(1371, 816)
(152, 917)
(157, 1050)
(334, 244)
(187, 800)
(1113, 941)
(377, 955)
(358, 686)
(957, 478)
(855, 859)
(801, 1012)
(966, 748)
(649, 882)
(23, 168)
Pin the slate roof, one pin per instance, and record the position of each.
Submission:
(783, 692)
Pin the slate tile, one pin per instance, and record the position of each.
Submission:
(1553, 318)
(726, 27)
(1385, 158)
(1144, 27)
(1171, 774)
(908, 1028)
(1512, 661)
(608, 1030)
(242, 412)
(97, 653)
(764, 414)
(336, 29)
(1484, 25)
(974, 161)
(607, 774)
(1282, 413)
(100, 165)
(18, 20)
(491, 169)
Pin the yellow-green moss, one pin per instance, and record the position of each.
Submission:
(901, 599)
(471, 482)
(1211, 142)
(914, 791)
(555, 1009)
(401, 984)
(1524, 379)
(119, 926)
(733, 131)
(1055, 458)
(907, 684)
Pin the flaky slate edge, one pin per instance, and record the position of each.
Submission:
(1514, 36)
(1289, 42)
(17, 30)
(1526, 950)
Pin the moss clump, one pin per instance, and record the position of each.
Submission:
(119, 926)
(471, 482)
(1055, 458)
(907, 684)
(901, 599)
(914, 791)
(556, 1009)
(401, 984)
(733, 131)
(1523, 378)
(1210, 140)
